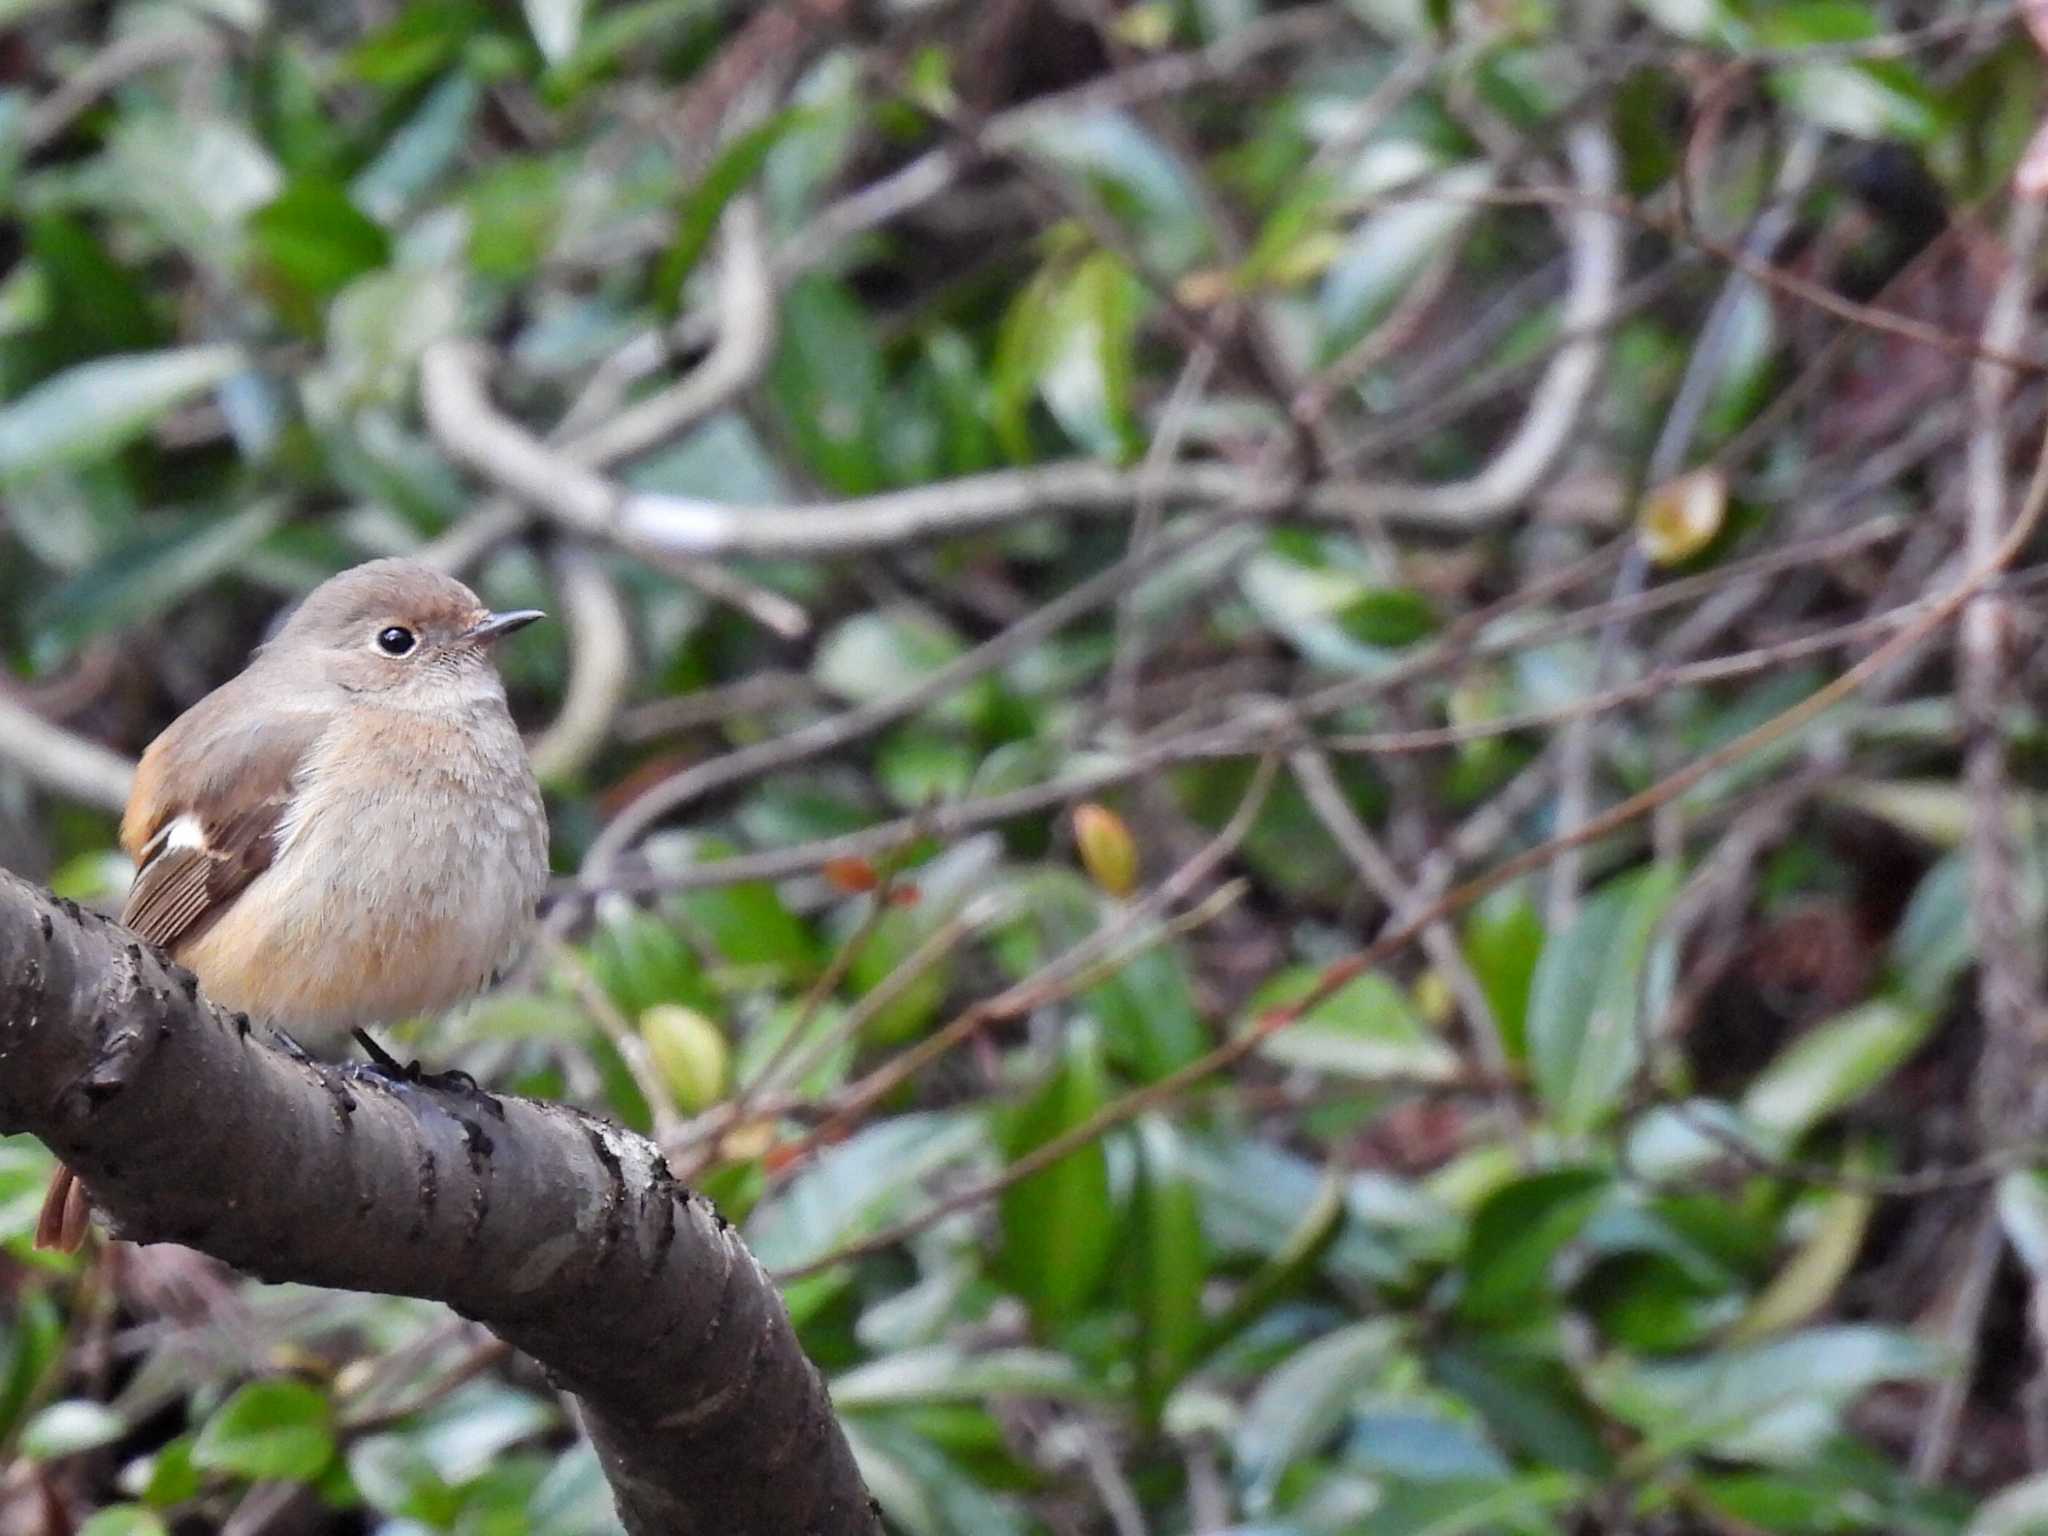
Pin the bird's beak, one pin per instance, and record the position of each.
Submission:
(495, 626)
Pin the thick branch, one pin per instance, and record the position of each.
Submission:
(566, 1236)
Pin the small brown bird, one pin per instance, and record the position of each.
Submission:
(347, 832)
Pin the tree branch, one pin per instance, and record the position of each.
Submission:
(566, 1236)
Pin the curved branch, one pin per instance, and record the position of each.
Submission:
(562, 482)
(746, 340)
(567, 1237)
(600, 667)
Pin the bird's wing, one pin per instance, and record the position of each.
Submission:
(210, 801)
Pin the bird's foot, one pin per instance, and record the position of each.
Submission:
(382, 1063)
(387, 1068)
(289, 1046)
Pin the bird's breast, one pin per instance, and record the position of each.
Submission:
(407, 873)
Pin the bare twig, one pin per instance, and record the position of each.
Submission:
(1056, 978)
(1966, 1303)
(2008, 1101)
(1167, 1089)
(1439, 940)
(119, 61)
(746, 338)
(1674, 441)
(854, 724)
(600, 667)
(1165, 447)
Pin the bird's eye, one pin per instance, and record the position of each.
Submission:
(396, 641)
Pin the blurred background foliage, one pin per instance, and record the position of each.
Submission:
(1432, 366)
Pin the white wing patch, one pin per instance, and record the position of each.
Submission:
(184, 832)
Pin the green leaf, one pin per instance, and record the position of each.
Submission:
(269, 1429)
(125, 1520)
(1150, 1023)
(170, 1477)
(885, 652)
(149, 576)
(421, 151)
(1807, 1284)
(924, 1492)
(826, 381)
(1516, 1233)
(1167, 1259)
(1585, 1003)
(859, 1183)
(1933, 944)
(1137, 178)
(1503, 942)
(1020, 353)
(1300, 1405)
(1389, 617)
(515, 211)
(1058, 1231)
(942, 1373)
(1647, 1303)
(395, 1477)
(1086, 364)
(316, 238)
(74, 1425)
(751, 925)
(1772, 1402)
(555, 25)
(705, 203)
(92, 410)
(1366, 1029)
(1292, 1266)
(1641, 108)
(34, 1344)
(1391, 249)
(1529, 1400)
(1869, 98)
(641, 960)
(913, 1004)
(423, 39)
(1833, 1065)
(95, 304)
(917, 766)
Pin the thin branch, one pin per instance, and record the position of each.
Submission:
(746, 339)
(114, 65)
(1439, 940)
(1057, 977)
(1128, 658)
(600, 667)
(1703, 371)
(853, 725)
(1173, 1085)
(1111, 770)
(1936, 1440)
(473, 430)
(2006, 1092)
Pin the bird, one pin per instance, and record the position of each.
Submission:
(347, 832)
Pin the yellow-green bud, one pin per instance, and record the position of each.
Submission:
(689, 1052)
(1108, 851)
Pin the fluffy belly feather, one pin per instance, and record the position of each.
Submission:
(421, 892)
